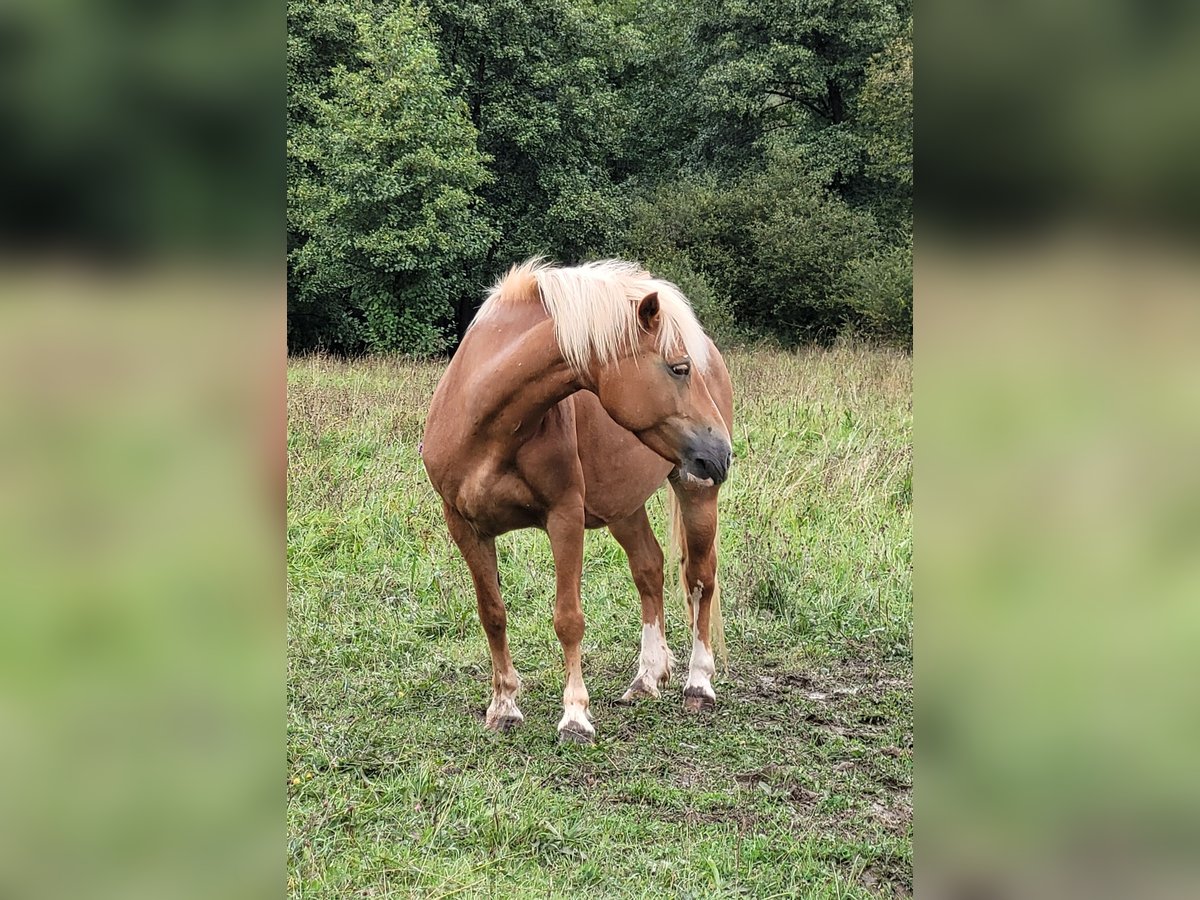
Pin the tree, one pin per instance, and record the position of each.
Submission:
(383, 168)
(755, 72)
(759, 153)
(542, 81)
(885, 119)
(787, 208)
(773, 243)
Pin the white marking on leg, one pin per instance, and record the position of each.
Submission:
(701, 670)
(654, 664)
(656, 659)
(702, 667)
(503, 711)
(576, 716)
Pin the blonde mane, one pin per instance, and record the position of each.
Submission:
(594, 308)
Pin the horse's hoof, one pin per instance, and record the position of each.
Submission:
(573, 734)
(506, 723)
(641, 689)
(503, 716)
(695, 701)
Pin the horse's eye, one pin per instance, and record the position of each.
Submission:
(681, 369)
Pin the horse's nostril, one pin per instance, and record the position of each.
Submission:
(709, 459)
(710, 468)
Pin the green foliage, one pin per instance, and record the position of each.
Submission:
(758, 154)
(878, 287)
(543, 82)
(381, 198)
(726, 78)
(792, 197)
(886, 122)
(797, 262)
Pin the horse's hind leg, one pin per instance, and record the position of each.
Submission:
(480, 554)
(636, 537)
(698, 512)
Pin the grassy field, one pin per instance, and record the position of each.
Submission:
(799, 784)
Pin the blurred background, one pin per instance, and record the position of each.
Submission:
(141, 449)
(1058, 423)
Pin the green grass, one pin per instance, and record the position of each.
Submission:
(798, 785)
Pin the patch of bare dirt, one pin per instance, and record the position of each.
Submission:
(880, 880)
(744, 819)
(827, 683)
(779, 782)
(894, 818)
(854, 699)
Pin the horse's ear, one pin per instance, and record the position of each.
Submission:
(648, 311)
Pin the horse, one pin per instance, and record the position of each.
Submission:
(575, 392)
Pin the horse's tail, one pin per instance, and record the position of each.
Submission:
(678, 539)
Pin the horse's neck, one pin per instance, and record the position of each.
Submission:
(528, 378)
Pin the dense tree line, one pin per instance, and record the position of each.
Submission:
(759, 154)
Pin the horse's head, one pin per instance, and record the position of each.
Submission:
(659, 394)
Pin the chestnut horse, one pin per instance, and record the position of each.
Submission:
(574, 394)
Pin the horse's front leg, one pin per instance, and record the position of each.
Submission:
(698, 511)
(565, 527)
(655, 661)
(480, 554)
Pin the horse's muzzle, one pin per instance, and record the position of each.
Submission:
(706, 460)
